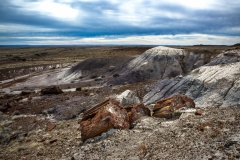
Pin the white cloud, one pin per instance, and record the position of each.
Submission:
(194, 4)
(61, 11)
(11, 28)
(182, 39)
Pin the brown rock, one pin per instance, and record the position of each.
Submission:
(26, 153)
(41, 140)
(102, 117)
(167, 107)
(6, 107)
(165, 112)
(25, 134)
(52, 141)
(40, 153)
(137, 112)
(26, 92)
(79, 89)
(199, 112)
(51, 90)
(50, 127)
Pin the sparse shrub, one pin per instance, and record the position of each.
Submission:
(44, 53)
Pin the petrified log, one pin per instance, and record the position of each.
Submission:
(51, 90)
(137, 111)
(100, 118)
(167, 107)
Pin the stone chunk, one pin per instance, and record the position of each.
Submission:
(168, 107)
(51, 90)
(26, 92)
(50, 127)
(106, 115)
(110, 114)
(6, 107)
(199, 112)
(128, 98)
(138, 111)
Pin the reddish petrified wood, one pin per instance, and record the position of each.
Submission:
(50, 127)
(111, 115)
(166, 108)
(138, 111)
(199, 112)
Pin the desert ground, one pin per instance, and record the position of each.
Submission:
(34, 125)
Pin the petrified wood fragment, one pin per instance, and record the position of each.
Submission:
(167, 107)
(102, 117)
(137, 111)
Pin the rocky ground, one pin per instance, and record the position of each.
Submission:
(39, 126)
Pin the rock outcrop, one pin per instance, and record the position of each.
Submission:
(208, 86)
(231, 56)
(155, 63)
(93, 68)
(160, 63)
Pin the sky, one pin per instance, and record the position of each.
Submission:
(119, 22)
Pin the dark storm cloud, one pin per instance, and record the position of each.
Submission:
(107, 18)
(12, 14)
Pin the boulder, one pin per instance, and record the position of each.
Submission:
(51, 90)
(102, 117)
(128, 98)
(109, 114)
(168, 107)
